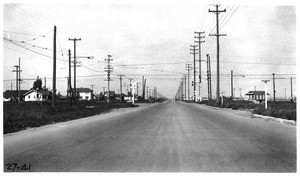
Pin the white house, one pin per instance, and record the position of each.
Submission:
(35, 95)
(84, 93)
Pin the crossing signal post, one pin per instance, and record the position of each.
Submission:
(266, 94)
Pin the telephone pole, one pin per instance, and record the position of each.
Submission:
(19, 94)
(231, 83)
(184, 86)
(75, 63)
(292, 89)
(208, 77)
(274, 87)
(69, 80)
(121, 86)
(54, 70)
(188, 69)
(194, 49)
(17, 70)
(217, 12)
(109, 69)
(199, 37)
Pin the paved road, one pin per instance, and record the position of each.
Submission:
(171, 136)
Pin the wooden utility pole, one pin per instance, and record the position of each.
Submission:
(231, 83)
(292, 89)
(54, 70)
(69, 80)
(19, 89)
(274, 87)
(109, 69)
(217, 11)
(188, 68)
(199, 37)
(194, 49)
(184, 86)
(121, 86)
(208, 78)
(17, 78)
(75, 63)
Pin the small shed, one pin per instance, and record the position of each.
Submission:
(256, 96)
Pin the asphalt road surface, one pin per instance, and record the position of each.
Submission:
(172, 136)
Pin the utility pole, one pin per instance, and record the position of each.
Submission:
(274, 87)
(266, 94)
(194, 49)
(108, 70)
(199, 44)
(184, 86)
(147, 93)
(17, 79)
(188, 69)
(137, 89)
(92, 87)
(54, 70)
(19, 94)
(217, 11)
(45, 81)
(69, 80)
(231, 83)
(292, 89)
(208, 78)
(120, 86)
(75, 63)
(181, 88)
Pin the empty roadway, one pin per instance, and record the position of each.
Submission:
(172, 136)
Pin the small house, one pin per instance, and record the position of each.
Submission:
(12, 95)
(84, 93)
(257, 96)
(37, 95)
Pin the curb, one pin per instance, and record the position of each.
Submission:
(291, 122)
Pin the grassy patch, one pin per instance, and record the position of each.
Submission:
(18, 117)
(278, 109)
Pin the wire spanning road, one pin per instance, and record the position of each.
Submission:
(170, 136)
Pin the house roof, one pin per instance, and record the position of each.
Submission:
(84, 90)
(11, 93)
(43, 92)
(256, 93)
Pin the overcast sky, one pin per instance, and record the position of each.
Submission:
(151, 40)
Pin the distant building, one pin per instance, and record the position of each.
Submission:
(12, 95)
(37, 95)
(84, 93)
(258, 96)
(120, 96)
(112, 95)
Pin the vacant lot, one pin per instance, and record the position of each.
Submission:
(278, 109)
(18, 117)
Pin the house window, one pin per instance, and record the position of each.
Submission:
(33, 96)
(28, 96)
(37, 96)
(87, 97)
